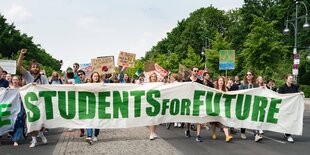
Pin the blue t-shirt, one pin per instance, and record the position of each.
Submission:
(77, 78)
(4, 83)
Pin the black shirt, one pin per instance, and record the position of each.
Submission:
(198, 80)
(286, 89)
(4, 83)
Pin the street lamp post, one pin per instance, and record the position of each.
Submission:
(287, 30)
(206, 46)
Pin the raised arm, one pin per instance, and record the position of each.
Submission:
(20, 61)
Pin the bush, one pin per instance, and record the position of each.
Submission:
(306, 90)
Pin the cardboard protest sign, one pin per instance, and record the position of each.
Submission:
(126, 59)
(186, 72)
(103, 64)
(9, 66)
(149, 66)
(87, 68)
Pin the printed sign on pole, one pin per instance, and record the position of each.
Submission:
(227, 60)
(126, 59)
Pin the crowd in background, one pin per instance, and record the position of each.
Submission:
(75, 76)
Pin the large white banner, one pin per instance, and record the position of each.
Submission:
(132, 105)
(9, 108)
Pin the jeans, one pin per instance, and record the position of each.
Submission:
(90, 132)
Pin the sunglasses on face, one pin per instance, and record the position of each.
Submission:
(75, 66)
(195, 70)
(80, 74)
(248, 74)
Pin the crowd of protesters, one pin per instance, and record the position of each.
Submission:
(76, 76)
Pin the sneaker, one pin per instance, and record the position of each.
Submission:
(228, 138)
(179, 125)
(198, 138)
(152, 137)
(155, 135)
(187, 133)
(243, 136)
(15, 144)
(33, 144)
(214, 136)
(95, 139)
(89, 141)
(289, 138)
(44, 140)
(261, 132)
(258, 138)
(193, 127)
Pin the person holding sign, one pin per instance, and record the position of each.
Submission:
(152, 128)
(249, 83)
(20, 120)
(194, 78)
(222, 87)
(94, 78)
(289, 87)
(33, 77)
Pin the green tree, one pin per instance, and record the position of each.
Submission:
(212, 55)
(263, 49)
(192, 59)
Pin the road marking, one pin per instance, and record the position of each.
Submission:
(279, 141)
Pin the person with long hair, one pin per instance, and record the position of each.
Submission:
(249, 83)
(222, 87)
(152, 128)
(289, 87)
(20, 120)
(94, 78)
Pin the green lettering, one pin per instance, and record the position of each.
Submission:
(87, 105)
(185, 106)
(174, 107)
(35, 115)
(260, 103)
(119, 105)
(5, 113)
(137, 100)
(215, 105)
(103, 104)
(47, 95)
(67, 111)
(273, 110)
(243, 107)
(165, 106)
(197, 101)
(150, 95)
(228, 104)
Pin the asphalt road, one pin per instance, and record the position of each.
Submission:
(7, 148)
(272, 144)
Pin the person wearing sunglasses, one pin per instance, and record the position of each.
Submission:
(194, 78)
(249, 83)
(76, 67)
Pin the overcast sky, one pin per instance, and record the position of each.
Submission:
(78, 30)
